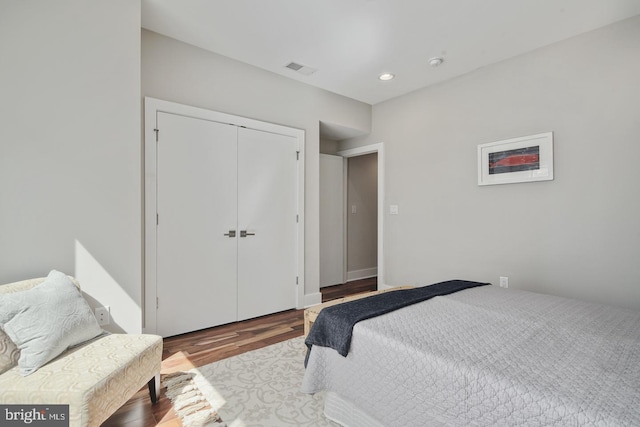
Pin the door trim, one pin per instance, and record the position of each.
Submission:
(360, 151)
(151, 107)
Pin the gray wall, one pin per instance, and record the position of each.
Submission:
(70, 153)
(178, 72)
(362, 226)
(578, 235)
(328, 146)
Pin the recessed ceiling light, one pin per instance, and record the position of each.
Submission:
(386, 76)
(434, 62)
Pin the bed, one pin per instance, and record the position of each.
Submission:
(485, 356)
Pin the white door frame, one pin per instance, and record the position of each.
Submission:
(152, 107)
(360, 151)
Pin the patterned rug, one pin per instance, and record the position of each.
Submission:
(257, 388)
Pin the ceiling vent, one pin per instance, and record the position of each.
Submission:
(294, 66)
(302, 69)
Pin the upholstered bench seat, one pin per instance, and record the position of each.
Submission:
(94, 378)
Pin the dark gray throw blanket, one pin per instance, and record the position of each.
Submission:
(334, 324)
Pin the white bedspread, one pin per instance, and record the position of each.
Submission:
(490, 357)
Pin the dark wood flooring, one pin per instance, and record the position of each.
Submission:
(200, 348)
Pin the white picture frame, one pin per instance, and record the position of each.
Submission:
(522, 159)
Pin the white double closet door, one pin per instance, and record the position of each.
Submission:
(227, 227)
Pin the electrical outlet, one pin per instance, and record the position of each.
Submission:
(504, 282)
(103, 316)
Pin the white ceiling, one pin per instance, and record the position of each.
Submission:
(351, 42)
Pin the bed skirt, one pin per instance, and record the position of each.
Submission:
(346, 413)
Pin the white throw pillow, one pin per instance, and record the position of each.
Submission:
(46, 320)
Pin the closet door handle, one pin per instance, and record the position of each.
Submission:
(231, 233)
(244, 233)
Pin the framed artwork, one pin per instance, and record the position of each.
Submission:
(524, 159)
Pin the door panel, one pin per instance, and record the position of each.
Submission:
(267, 207)
(332, 241)
(196, 203)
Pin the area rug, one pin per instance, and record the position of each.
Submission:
(257, 388)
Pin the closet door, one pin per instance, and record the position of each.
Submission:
(196, 205)
(267, 210)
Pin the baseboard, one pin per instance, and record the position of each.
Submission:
(312, 299)
(362, 274)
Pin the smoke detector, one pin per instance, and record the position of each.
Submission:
(436, 61)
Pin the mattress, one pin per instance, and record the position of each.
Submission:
(489, 357)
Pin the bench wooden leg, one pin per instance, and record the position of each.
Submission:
(154, 388)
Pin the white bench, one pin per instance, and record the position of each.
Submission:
(94, 379)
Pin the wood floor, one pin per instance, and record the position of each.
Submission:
(199, 348)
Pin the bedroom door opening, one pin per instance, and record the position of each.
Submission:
(358, 271)
(348, 218)
(361, 182)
